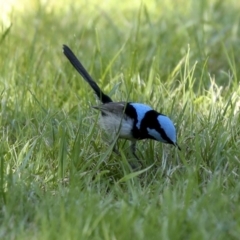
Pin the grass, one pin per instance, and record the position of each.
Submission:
(58, 176)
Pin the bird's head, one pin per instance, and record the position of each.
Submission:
(165, 131)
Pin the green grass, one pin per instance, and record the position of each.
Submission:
(58, 176)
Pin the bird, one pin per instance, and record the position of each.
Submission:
(128, 120)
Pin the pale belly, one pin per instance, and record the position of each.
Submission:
(113, 125)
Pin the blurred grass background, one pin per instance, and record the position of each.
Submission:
(58, 177)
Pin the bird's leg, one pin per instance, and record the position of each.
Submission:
(115, 148)
(133, 150)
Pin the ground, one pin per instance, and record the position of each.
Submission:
(59, 178)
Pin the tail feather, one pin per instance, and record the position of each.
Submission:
(83, 72)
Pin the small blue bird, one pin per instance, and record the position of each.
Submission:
(132, 121)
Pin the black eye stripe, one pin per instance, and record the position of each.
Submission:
(164, 136)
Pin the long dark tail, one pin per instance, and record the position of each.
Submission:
(83, 72)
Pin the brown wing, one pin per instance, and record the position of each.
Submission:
(112, 107)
